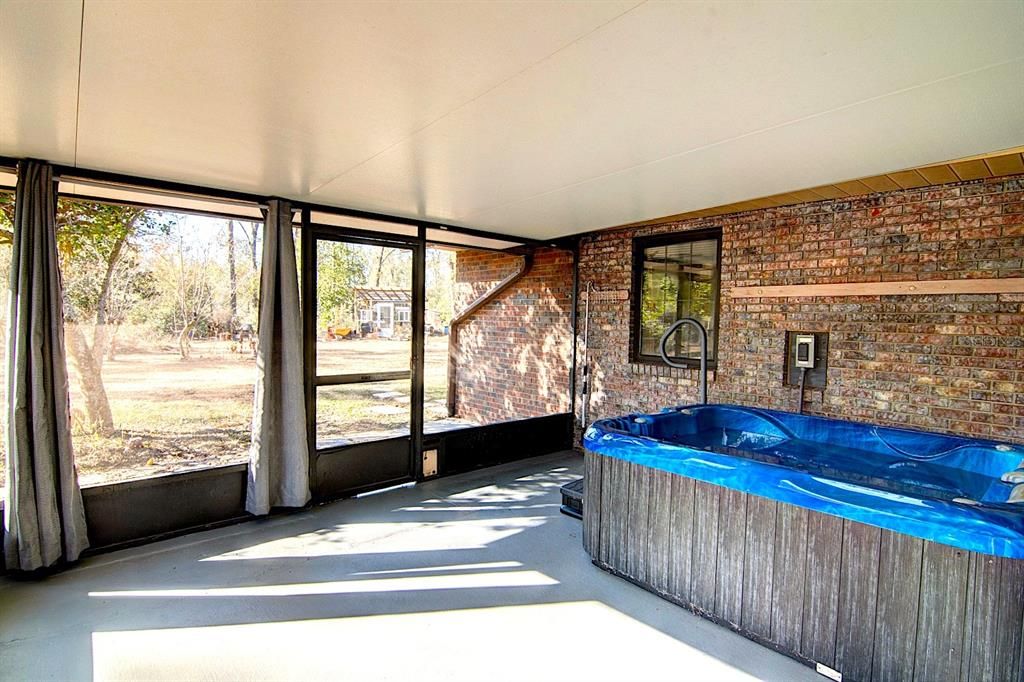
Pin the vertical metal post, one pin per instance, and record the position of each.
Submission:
(307, 268)
(419, 305)
(574, 317)
(585, 392)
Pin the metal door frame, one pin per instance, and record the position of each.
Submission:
(327, 470)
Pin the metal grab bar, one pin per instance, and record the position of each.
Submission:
(703, 394)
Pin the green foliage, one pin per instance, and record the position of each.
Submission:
(657, 309)
(668, 297)
(387, 268)
(98, 246)
(440, 278)
(94, 228)
(185, 278)
(341, 268)
(128, 288)
(125, 264)
(6, 217)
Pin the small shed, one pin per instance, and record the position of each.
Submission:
(382, 310)
(387, 310)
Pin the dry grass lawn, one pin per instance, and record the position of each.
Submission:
(173, 415)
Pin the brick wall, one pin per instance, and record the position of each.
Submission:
(514, 354)
(945, 363)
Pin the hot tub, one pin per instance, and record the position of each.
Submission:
(882, 553)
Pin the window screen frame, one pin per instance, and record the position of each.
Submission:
(640, 244)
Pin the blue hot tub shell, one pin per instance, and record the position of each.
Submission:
(942, 488)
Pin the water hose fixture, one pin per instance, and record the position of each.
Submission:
(585, 392)
(703, 333)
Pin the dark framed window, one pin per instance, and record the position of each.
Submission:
(675, 276)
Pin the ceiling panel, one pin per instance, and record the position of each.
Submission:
(39, 78)
(789, 157)
(529, 119)
(283, 96)
(673, 78)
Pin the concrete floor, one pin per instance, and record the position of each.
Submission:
(472, 577)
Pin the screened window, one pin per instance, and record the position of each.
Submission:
(356, 402)
(160, 319)
(677, 276)
(6, 237)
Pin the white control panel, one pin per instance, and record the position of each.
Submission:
(804, 346)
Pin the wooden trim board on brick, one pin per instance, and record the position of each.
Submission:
(1006, 285)
(990, 165)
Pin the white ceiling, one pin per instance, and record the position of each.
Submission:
(534, 119)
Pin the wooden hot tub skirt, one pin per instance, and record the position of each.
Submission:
(871, 603)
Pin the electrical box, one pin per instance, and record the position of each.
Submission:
(429, 463)
(804, 351)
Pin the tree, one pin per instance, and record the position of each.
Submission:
(232, 279)
(440, 283)
(391, 268)
(96, 250)
(185, 292)
(382, 257)
(124, 264)
(252, 236)
(6, 218)
(94, 241)
(340, 269)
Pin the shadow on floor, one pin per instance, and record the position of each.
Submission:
(483, 556)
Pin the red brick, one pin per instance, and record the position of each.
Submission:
(909, 360)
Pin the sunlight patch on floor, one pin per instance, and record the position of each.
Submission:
(387, 538)
(520, 490)
(583, 640)
(416, 583)
(442, 507)
(491, 565)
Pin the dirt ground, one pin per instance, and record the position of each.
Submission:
(173, 415)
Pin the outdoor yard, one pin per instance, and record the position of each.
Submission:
(355, 412)
(152, 301)
(173, 415)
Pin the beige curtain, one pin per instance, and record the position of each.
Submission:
(44, 521)
(278, 456)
